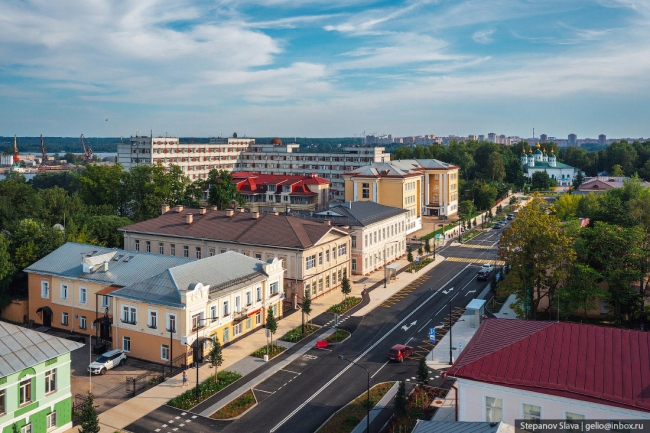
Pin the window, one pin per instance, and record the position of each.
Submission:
(226, 308)
(148, 246)
(354, 241)
(64, 292)
(27, 428)
(45, 289)
(129, 315)
(161, 248)
(354, 264)
(137, 245)
(236, 330)
(3, 404)
(532, 412)
(327, 281)
(126, 344)
(274, 288)
(164, 352)
(258, 256)
(26, 391)
(213, 312)
(343, 250)
(186, 251)
(258, 293)
(226, 334)
(172, 250)
(237, 304)
(106, 301)
(83, 295)
(493, 409)
(198, 252)
(249, 298)
(171, 322)
(211, 252)
(320, 285)
(320, 258)
(50, 381)
(365, 240)
(258, 317)
(64, 319)
(340, 275)
(249, 323)
(82, 322)
(153, 319)
(310, 262)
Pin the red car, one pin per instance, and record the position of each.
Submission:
(399, 352)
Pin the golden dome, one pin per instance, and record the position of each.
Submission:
(544, 150)
(530, 150)
(552, 151)
(537, 147)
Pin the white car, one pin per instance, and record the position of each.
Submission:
(487, 267)
(108, 360)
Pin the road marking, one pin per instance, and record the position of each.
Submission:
(407, 342)
(309, 356)
(443, 307)
(313, 396)
(289, 371)
(423, 326)
(261, 390)
(379, 369)
(470, 291)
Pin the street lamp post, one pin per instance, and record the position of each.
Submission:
(367, 405)
(196, 350)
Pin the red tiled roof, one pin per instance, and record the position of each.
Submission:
(272, 230)
(277, 179)
(598, 364)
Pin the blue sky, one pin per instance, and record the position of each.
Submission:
(325, 67)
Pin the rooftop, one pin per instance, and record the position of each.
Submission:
(540, 164)
(359, 213)
(584, 362)
(461, 427)
(21, 348)
(241, 228)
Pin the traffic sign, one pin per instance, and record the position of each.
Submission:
(438, 236)
(417, 260)
(432, 335)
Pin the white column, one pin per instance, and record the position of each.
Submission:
(355, 195)
(375, 188)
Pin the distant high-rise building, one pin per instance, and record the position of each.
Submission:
(543, 138)
(602, 139)
(481, 137)
(572, 140)
(492, 137)
(472, 137)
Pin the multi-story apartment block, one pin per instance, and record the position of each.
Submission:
(492, 137)
(378, 232)
(313, 254)
(34, 381)
(572, 140)
(195, 159)
(181, 310)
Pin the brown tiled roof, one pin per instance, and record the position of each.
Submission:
(241, 228)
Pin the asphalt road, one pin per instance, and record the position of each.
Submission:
(302, 396)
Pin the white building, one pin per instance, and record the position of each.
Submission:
(530, 370)
(540, 161)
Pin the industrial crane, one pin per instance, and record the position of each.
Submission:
(44, 151)
(88, 152)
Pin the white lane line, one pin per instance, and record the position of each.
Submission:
(261, 390)
(443, 307)
(452, 298)
(407, 342)
(379, 369)
(424, 326)
(397, 326)
(289, 371)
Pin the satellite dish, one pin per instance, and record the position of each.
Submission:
(59, 226)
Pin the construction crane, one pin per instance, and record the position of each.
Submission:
(44, 152)
(88, 152)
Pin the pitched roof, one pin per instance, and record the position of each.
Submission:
(461, 427)
(241, 228)
(583, 362)
(383, 169)
(430, 164)
(540, 164)
(21, 348)
(224, 269)
(129, 268)
(606, 183)
(277, 179)
(361, 213)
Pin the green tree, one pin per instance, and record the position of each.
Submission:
(495, 169)
(582, 292)
(105, 229)
(588, 206)
(6, 266)
(306, 303)
(345, 285)
(566, 206)
(427, 246)
(89, 419)
(465, 209)
(513, 200)
(484, 195)
(103, 185)
(400, 399)
(617, 170)
(271, 323)
(578, 180)
(420, 250)
(423, 371)
(216, 356)
(541, 181)
(409, 254)
(222, 191)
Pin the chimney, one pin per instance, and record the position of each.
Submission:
(179, 208)
(189, 218)
(229, 212)
(202, 211)
(213, 208)
(165, 209)
(327, 222)
(256, 215)
(105, 266)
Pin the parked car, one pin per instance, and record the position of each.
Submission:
(497, 226)
(511, 216)
(108, 360)
(483, 275)
(399, 352)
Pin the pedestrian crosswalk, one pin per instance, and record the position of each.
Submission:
(476, 261)
(481, 247)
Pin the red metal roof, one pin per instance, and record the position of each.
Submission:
(585, 362)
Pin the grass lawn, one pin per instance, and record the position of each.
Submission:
(344, 306)
(345, 420)
(296, 334)
(207, 388)
(236, 407)
(338, 336)
(274, 350)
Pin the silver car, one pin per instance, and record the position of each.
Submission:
(108, 360)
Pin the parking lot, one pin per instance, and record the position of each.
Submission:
(111, 388)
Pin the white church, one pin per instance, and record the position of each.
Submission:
(540, 161)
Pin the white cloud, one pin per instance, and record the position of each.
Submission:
(483, 36)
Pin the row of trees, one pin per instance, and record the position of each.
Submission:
(91, 204)
(556, 264)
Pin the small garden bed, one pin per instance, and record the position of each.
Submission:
(470, 235)
(417, 266)
(338, 336)
(236, 407)
(207, 388)
(344, 306)
(273, 351)
(418, 406)
(345, 420)
(296, 334)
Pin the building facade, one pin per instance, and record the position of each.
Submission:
(314, 255)
(540, 161)
(34, 381)
(269, 192)
(179, 312)
(378, 232)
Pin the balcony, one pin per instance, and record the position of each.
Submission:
(239, 316)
